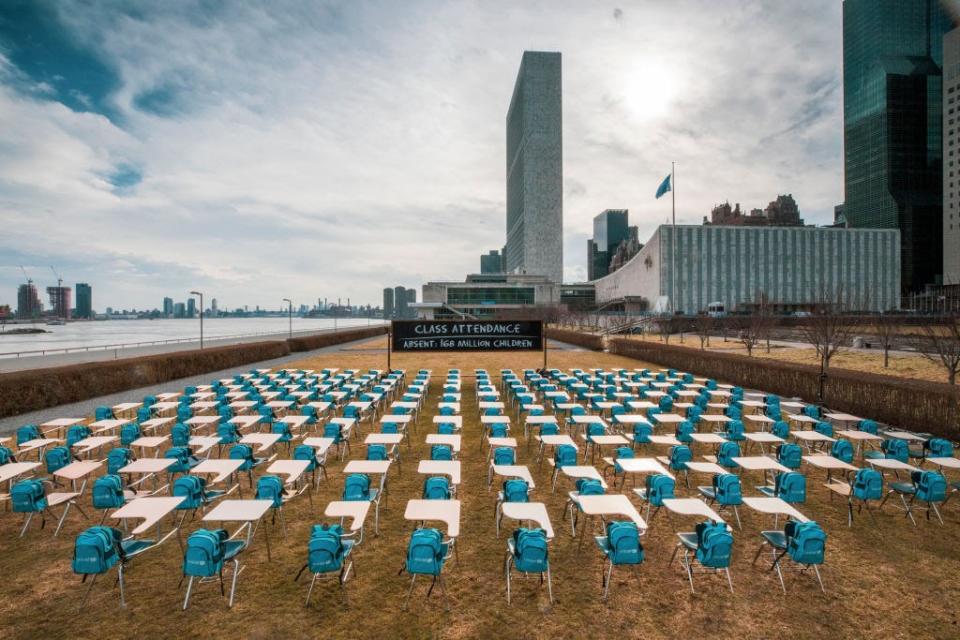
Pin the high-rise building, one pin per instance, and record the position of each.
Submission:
(491, 262)
(535, 169)
(60, 301)
(179, 310)
(84, 301)
(168, 307)
(610, 228)
(411, 299)
(387, 303)
(213, 307)
(951, 149)
(892, 119)
(191, 307)
(399, 302)
(28, 301)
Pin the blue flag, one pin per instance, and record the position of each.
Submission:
(664, 187)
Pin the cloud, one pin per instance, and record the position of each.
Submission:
(305, 150)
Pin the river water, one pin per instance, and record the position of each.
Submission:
(115, 332)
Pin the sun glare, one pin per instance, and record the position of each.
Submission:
(648, 90)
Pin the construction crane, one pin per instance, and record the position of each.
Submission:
(57, 276)
(58, 298)
(29, 281)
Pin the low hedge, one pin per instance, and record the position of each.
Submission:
(23, 391)
(319, 340)
(911, 404)
(591, 341)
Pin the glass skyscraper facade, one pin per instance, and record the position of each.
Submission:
(84, 301)
(892, 130)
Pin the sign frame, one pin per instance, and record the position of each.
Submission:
(467, 336)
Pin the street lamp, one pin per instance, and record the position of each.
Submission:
(290, 314)
(197, 293)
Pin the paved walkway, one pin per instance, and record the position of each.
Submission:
(86, 407)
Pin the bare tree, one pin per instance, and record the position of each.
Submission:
(665, 328)
(829, 327)
(939, 342)
(885, 326)
(704, 324)
(750, 331)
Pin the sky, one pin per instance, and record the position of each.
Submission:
(292, 149)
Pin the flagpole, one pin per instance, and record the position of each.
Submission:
(673, 237)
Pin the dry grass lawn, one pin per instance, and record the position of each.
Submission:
(884, 579)
(906, 366)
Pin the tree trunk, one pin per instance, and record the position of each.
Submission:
(886, 357)
(952, 376)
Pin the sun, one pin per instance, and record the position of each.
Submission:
(648, 90)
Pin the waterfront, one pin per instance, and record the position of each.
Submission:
(101, 334)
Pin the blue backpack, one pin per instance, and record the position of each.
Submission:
(789, 455)
(620, 453)
(498, 431)
(868, 426)
(56, 458)
(931, 486)
(623, 537)
(203, 557)
(780, 429)
(283, 429)
(28, 432)
(270, 488)
(727, 489)
(896, 449)
(227, 432)
(824, 428)
(842, 450)
(806, 542)
(735, 430)
(642, 433)
(376, 452)
(868, 485)
(243, 452)
(503, 455)
(306, 452)
(118, 458)
(589, 487)
(714, 545)
(6, 456)
(129, 433)
(356, 487)
(325, 549)
(182, 457)
(684, 431)
(76, 433)
(659, 488)
(425, 552)
(107, 492)
(180, 435)
(530, 552)
(28, 496)
(103, 413)
(726, 453)
(938, 448)
(190, 488)
(515, 490)
(565, 455)
(96, 550)
(680, 455)
(436, 488)
(791, 487)
(441, 452)
(446, 428)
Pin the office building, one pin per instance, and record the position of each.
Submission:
(411, 297)
(782, 212)
(508, 296)
(84, 301)
(794, 268)
(892, 119)
(168, 307)
(61, 299)
(387, 303)
(535, 169)
(400, 310)
(610, 230)
(191, 307)
(179, 310)
(492, 262)
(28, 301)
(951, 149)
(213, 308)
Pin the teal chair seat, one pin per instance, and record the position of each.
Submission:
(770, 492)
(133, 547)
(776, 539)
(232, 548)
(905, 488)
(689, 540)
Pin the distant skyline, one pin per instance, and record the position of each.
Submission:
(259, 151)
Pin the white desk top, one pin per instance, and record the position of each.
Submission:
(107, 425)
(222, 468)
(535, 511)
(321, 444)
(502, 442)
(589, 420)
(774, 506)
(515, 471)
(151, 510)
(758, 417)
(631, 418)
(714, 417)
(457, 421)
(853, 434)
(396, 419)
(946, 463)
(38, 443)
(842, 417)
(452, 440)
(762, 436)
(446, 511)
(384, 438)
(441, 467)
(91, 443)
(811, 436)
(800, 417)
(244, 422)
(367, 466)
(200, 421)
(293, 469)
(641, 404)
(263, 440)
(706, 467)
(642, 465)
(11, 470)
(891, 464)
(356, 510)
(577, 471)
(541, 419)
(147, 465)
(665, 440)
(759, 463)
(557, 440)
(77, 470)
(156, 423)
(127, 406)
(691, 507)
(238, 511)
(905, 435)
(668, 418)
(495, 419)
(708, 438)
(611, 504)
(829, 462)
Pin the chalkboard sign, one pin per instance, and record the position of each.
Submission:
(467, 335)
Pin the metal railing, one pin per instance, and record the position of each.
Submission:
(150, 343)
